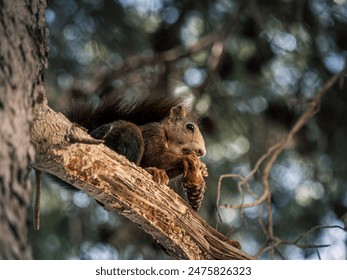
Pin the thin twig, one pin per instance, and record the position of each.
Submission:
(302, 236)
(134, 62)
(38, 185)
(274, 151)
(272, 243)
(313, 108)
(272, 155)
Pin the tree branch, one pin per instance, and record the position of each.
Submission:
(132, 63)
(275, 150)
(271, 156)
(121, 186)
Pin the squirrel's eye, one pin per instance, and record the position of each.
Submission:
(190, 126)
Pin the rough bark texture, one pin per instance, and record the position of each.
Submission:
(65, 151)
(23, 54)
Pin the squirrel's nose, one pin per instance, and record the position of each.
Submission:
(200, 152)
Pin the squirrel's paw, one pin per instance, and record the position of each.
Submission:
(191, 163)
(194, 177)
(159, 175)
(203, 168)
(194, 184)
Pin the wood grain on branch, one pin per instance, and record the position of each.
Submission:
(121, 186)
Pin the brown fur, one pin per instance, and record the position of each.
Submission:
(171, 144)
(160, 134)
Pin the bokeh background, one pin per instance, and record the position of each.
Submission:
(249, 68)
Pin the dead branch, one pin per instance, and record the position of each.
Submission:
(125, 188)
(38, 186)
(274, 151)
(275, 242)
(271, 156)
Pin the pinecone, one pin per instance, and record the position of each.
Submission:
(195, 193)
(194, 186)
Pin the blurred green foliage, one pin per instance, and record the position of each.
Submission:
(249, 85)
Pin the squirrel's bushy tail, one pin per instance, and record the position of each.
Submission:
(113, 108)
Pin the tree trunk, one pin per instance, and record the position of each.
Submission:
(23, 57)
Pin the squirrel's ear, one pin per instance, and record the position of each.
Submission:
(178, 111)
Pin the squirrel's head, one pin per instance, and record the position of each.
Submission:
(183, 133)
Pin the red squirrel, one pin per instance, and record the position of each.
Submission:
(159, 134)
